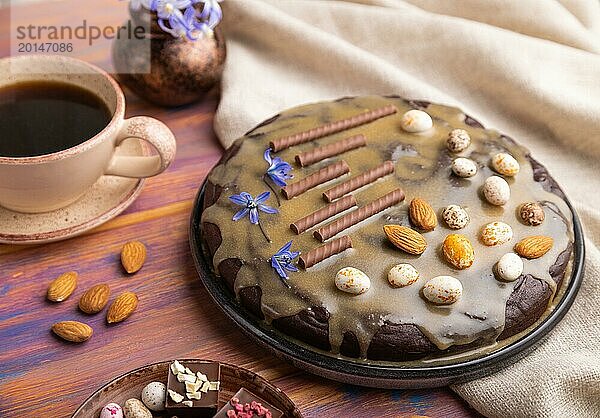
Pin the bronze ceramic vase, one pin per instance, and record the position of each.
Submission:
(181, 71)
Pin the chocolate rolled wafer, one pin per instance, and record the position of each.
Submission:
(388, 200)
(316, 255)
(359, 181)
(325, 174)
(332, 128)
(338, 147)
(322, 214)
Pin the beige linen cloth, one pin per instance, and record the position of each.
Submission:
(530, 69)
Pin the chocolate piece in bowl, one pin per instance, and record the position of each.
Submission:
(245, 404)
(193, 389)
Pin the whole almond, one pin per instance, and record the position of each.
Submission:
(405, 238)
(62, 287)
(73, 331)
(122, 307)
(458, 251)
(133, 256)
(422, 215)
(94, 299)
(534, 246)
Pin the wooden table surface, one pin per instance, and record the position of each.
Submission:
(42, 376)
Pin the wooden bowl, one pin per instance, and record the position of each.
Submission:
(130, 385)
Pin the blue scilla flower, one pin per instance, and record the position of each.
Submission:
(278, 170)
(210, 16)
(251, 205)
(283, 260)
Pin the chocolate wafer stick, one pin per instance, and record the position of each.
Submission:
(332, 128)
(319, 177)
(322, 214)
(339, 147)
(392, 198)
(316, 255)
(359, 181)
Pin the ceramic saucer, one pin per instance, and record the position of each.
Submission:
(107, 198)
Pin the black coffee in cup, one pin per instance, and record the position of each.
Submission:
(43, 117)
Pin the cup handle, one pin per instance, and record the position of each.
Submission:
(149, 130)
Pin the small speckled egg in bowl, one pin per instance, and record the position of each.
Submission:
(153, 396)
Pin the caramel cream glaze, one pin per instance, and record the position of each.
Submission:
(422, 169)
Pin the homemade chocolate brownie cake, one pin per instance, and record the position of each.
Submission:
(388, 229)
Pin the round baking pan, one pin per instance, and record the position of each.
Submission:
(372, 373)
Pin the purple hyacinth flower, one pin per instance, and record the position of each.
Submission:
(251, 205)
(278, 170)
(282, 261)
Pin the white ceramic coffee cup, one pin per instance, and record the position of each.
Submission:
(48, 182)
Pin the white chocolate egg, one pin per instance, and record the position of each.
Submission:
(415, 121)
(402, 275)
(111, 410)
(455, 217)
(153, 396)
(509, 267)
(496, 233)
(464, 167)
(505, 164)
(496, 190)
(443, 290)
(352, 280)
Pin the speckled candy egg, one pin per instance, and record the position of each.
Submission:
(112, 410)
(509, 267)
(496, 190)
(402, 275)
(154, 395)
(458, 140)
(352, 280)
(443, 290)
(505, 164)
(464, 167)
(416, 121)
(532, 213)
(455, 217)
(496, 233)
(134, 408)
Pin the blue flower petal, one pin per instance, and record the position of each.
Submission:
(247, 197)
(267, 156)
(262, 197)
(267, 209)
(277, 180)
(238, 199)
(286, 247)
(254, 216)
(291, 267)
(240, 214)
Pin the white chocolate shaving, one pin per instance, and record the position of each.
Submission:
(194, 395)
(176, 397)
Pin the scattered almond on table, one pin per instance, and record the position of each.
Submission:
(74, 331)
(122, 307)
(94, 299)
(62, 287)
(133, 256)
